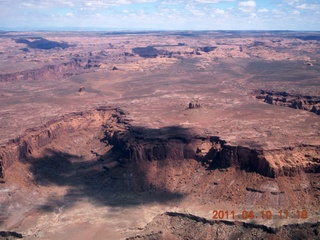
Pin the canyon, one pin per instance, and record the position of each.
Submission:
(160, 136)
(99, 149)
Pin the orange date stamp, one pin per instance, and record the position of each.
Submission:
(266, 215)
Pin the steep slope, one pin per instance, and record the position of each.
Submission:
(101, 153)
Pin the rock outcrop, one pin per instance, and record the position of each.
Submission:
(139, 144)
(308, 103)
(82, 89)
(36, 139)
(193, 105)
(114, 68)
(44, 73)
(172, 225)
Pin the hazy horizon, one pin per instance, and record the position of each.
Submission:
(146, 30)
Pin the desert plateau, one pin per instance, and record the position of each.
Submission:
(153, 135)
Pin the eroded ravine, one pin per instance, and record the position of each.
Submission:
(82, 167)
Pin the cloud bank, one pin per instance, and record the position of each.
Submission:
(159, 14)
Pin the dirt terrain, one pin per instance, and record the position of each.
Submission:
(153, 135)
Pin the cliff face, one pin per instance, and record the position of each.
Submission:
(308, 103)
(35, 140)
(45, 72)
(137, 145)
(100, 153)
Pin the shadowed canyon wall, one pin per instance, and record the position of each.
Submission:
(138, 144)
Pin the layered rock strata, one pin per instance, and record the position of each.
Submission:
(136, 144)
(308, 103)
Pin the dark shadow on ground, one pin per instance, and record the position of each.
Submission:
(9, 235)
(116, 178)
(91, 179)
(121, 177)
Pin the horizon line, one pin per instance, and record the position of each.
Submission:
(153, 30)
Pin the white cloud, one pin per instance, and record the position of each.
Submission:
(25, 4)
(219, 11)
(119, 2)
(46, 3)
(277, 13)
(295, 12)
(143, 1)
(303, 6)
(213, 1)
(68, 3)
(196, 12)
(165, 14)
(263, 10)
(291, 2)
(78, 3)
(308, 6)
(250, 4)
(171, 2)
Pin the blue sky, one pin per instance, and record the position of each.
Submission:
(160, 15)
